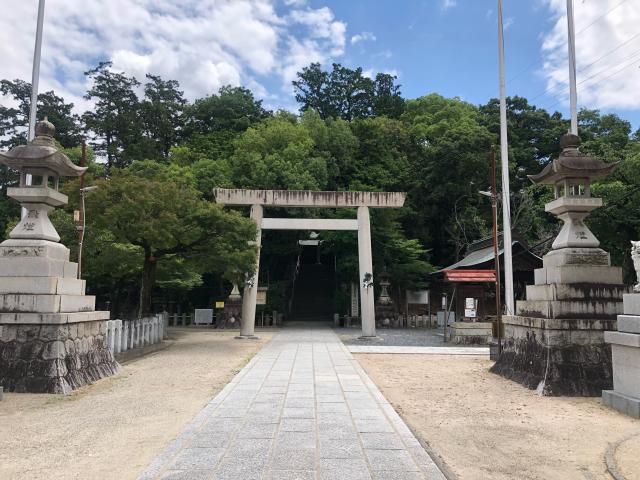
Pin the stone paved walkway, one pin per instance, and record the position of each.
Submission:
(301, 409)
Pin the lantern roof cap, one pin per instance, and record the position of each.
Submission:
(572, 163)
(41, 153)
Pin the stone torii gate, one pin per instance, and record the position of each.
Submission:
(258, 199)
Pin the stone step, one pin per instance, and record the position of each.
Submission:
(624, 339)
(589, 291)
(42, 285)
(27, 248)
(582, 309)
(37, 267)
(632, 303)
(579, 274)
(576, 256)
(30, 303)
(629, 323)
(52, 318)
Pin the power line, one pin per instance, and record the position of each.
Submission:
(536, 62)
(549, 89)
(602, 79)
(601, 17)
(609, 52)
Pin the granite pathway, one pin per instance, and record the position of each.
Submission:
(301, 409)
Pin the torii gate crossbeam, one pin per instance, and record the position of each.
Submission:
(258, 199)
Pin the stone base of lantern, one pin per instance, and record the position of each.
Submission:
(51, 338)
(46, 358)
(555, 343)
(557, 356)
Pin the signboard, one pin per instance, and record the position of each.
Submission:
(354, 300)
(203, 316)
(470, 312)
(261, 296)
(418, 297)
(219, 304)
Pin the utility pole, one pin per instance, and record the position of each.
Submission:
(573, 94)
(496, 248)
(504, 160)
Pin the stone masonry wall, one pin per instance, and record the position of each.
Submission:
(54, 358)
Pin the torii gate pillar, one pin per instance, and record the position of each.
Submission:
(367, 308)
(248, 320)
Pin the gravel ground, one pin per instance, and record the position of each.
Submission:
(115, 427)
(486, 427)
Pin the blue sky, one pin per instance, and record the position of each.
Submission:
(444, 46)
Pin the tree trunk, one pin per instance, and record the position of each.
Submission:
(148, 282)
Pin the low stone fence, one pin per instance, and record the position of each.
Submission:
(125, 335)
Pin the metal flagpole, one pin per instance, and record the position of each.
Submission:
(504, 160)
(573, 95)
(35, 77)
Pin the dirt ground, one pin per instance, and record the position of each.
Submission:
(115, 427)
(485, 427)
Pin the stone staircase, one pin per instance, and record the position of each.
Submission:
(313, 295)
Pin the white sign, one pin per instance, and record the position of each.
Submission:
(470, 312)
(418, 297)
(203, 316)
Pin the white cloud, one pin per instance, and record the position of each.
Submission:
(447, 4)
(606, 78)
(203, 44)
(363, 37)
(508, 22)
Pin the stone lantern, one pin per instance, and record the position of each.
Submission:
(555, 341)
(571, 175)
(385, 310)
(51, 338)
(42, 160)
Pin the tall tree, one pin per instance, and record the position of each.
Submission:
(14, 121)
(115, 121)
(387, 98)
(232, 108)
(347, 93)
(162, 112)
(533, 132)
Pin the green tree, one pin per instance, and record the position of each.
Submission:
(448, 170)
(162, 112)
(347, 93)
(14, 121)
(170, 220)
(232, 109)
(533, 136)
(115, 121)
(278, 153)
